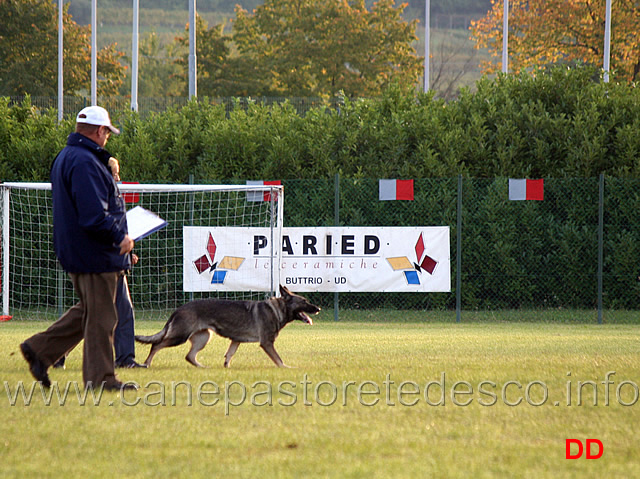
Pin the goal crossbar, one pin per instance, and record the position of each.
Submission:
(149, 188)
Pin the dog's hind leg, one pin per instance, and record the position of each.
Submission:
(152, 352)
(233, 347)
(147, 361)
(199, 340)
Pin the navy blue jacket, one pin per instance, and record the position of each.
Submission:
(89, 216)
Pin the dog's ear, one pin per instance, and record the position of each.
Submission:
(284, 291)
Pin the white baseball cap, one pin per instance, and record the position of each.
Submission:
(96, 115)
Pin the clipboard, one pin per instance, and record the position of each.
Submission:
(141, 223)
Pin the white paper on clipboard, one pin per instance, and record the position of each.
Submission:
(141, 223)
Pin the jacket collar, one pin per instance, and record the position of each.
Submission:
(76, 139)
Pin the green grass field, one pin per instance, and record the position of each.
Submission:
(501, 400)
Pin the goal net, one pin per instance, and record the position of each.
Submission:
(220, 241)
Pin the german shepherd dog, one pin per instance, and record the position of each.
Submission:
(240, 321)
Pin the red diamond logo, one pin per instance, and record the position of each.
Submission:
(419, 247)
(211, 247)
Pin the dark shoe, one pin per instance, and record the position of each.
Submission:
(36, 366)
(120, 387)
(131, 365)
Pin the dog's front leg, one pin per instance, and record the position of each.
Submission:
(272, 353)
(233, 347)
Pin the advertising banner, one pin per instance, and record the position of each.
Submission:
(328, 259)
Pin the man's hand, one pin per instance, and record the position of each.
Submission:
(115, 168)
(126, 245)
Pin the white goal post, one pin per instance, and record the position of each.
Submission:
(35, 287)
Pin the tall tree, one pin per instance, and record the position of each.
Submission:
(158, 75)
(316, 48)
(544, 32)
(220, 73)
(29, 52)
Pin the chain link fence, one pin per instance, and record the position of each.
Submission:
(573, 256)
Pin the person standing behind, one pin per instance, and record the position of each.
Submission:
(124, 338)
(92, 243)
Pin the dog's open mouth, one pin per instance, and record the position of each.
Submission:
(305, 318)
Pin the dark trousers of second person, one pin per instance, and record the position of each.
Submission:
(123, 339)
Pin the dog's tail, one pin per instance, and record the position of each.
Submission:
(155, 338)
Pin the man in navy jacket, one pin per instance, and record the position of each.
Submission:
(91, 241)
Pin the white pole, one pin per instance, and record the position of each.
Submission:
(607, 40)
(134, 57)
(60, 61)
(94, 53)
(5, 251)
(505, 38)
(193, 79)
(427, 34)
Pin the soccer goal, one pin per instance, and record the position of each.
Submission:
(220, 241)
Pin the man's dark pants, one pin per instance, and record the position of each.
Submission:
(93, 319)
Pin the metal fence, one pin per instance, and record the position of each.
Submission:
(573, 256)
(146, 105)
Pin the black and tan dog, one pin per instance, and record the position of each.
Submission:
(240, 321)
